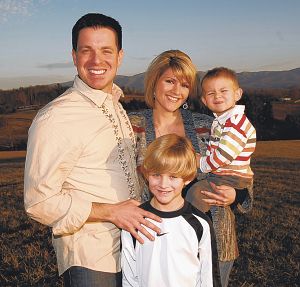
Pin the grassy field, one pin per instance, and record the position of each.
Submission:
(14, 128)
(268, 235)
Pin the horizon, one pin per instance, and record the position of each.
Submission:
(252, 36)
(70, 81)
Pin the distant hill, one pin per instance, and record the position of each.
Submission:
(270, 80)
(248, 80)
(251, 80)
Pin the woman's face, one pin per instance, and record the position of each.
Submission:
(170, 93)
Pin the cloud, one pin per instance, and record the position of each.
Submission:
(18, 7)
(56, 66)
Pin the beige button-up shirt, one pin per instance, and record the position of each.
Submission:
(80, 150)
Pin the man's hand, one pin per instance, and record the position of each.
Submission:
(126, 215)
(223, 195)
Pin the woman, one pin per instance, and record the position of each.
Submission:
(169, 80)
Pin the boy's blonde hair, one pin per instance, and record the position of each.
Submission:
(221, 72)
(181, 65)
(171, 154)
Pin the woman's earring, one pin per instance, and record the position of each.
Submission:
(154, 95)
(185, 106)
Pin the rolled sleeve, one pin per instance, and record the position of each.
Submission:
(74, 219)
(52, 151)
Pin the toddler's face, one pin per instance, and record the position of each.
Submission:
(220, 94)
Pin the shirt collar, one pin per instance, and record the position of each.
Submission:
(98, 97)
(238, 109)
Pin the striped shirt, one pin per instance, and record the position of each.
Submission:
(231, 144)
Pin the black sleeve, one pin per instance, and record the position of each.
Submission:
(240, 197)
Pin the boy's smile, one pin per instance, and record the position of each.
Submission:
(166, 190)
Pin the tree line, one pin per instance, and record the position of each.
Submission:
(258, 104)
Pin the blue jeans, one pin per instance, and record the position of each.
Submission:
(225, 269)
(77, 276)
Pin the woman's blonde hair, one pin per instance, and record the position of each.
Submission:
(171, 154)
(181, 65)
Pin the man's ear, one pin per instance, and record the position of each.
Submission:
(74, 57)
(238, 94)
(120, 57)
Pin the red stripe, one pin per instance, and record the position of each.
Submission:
(241, 122)
(229, 124)
(202, 130)
(210, 163)
(217, 160)
(243, 158)
(138, 129)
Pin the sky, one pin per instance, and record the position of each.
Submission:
(244, 35)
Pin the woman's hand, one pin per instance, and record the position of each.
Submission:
(223, 195)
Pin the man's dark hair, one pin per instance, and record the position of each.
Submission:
(97, 20)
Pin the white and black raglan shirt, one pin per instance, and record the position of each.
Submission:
(184, 254)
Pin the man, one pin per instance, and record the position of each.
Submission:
(80, 167)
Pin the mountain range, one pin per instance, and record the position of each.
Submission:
(254, 80)
(248, 80)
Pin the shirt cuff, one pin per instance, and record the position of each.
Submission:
(75, 218)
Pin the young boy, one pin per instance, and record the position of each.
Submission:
(184, 253)
(232, 139)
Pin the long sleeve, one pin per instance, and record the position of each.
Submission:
(128, 261)
(232, 142)
(51, 155)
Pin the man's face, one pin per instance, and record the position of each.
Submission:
(97, 57)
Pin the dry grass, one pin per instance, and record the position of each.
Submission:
(27, 256)
(7, 155)
(14, 128)
(278, 149)
(268, 235)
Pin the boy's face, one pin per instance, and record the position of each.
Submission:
(166, 190)
(220, 94)
(97, 57)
